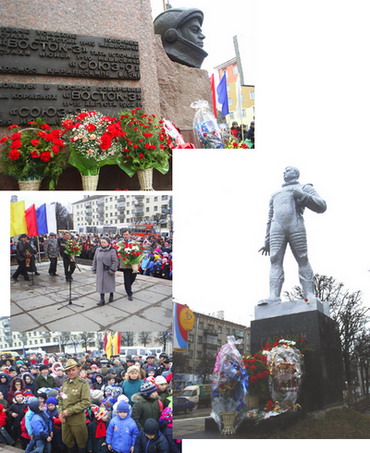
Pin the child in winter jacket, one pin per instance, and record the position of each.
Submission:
(165, 425)
(122, 431)
(41, 428)
(53, 414)
(151, 440)
(146, 404)
(16, 413)
(97, 431)
(5, 437)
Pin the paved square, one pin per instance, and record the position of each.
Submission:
(44, 303)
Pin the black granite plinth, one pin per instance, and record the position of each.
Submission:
(323, 380)
(251, 429)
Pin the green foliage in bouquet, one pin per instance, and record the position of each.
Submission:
(93, 140)
(33, 152)
(145, 143)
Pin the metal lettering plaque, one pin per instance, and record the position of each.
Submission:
(24, 51)
(23, 102)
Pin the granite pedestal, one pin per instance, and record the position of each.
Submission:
(323, 367)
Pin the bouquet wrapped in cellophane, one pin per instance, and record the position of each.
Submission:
(130, 253)
(229, 388)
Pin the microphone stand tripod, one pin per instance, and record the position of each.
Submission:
(70, 298)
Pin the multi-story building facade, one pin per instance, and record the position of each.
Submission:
(244, 113)
(106, 213)
(71, 342)
(205, 340)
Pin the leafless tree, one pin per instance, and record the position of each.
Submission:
(346, 308)
(145, 338)
(127, 339)
(164, 337)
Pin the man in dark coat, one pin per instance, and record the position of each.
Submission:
(44, 380)
(21, 257)
(128, 275)
(69, 265)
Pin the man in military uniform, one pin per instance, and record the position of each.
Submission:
(286, 226)
(74, 399)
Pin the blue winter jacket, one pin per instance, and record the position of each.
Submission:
(121, 434)
(40, 423)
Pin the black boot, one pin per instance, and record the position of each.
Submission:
(110, 297)
(102, 300)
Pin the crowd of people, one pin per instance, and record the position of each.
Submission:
(241, 132)
(102, 250)
(59, 403)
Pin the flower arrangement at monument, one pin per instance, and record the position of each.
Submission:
(32, 153)
(235, 144)
(145, 146)
(258, 372)
(73, 248)
(94, 142)
(130, 253)
(205, 126)
(229, 388)
(286, 370)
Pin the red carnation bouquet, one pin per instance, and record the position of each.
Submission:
(93, 140)
(34, 152)
(145, 144)
(256, 367)
(73, 248)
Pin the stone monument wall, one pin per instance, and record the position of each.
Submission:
(179, 86)
(114, 19)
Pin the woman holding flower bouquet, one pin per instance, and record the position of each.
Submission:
(105, 265)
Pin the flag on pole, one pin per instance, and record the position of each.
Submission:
(18, 223)
(108, 346)
(31, 220)
(105, 340)
(180, 335)
(213, 89)
(116, 343)
(239, 102)
(222, 95)
(51, 218)
(42, 225)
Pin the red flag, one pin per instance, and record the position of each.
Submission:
(212, 80)
(31, 221)
(105, 341)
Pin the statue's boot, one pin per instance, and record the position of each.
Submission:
(275, 289)
(308, 288)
